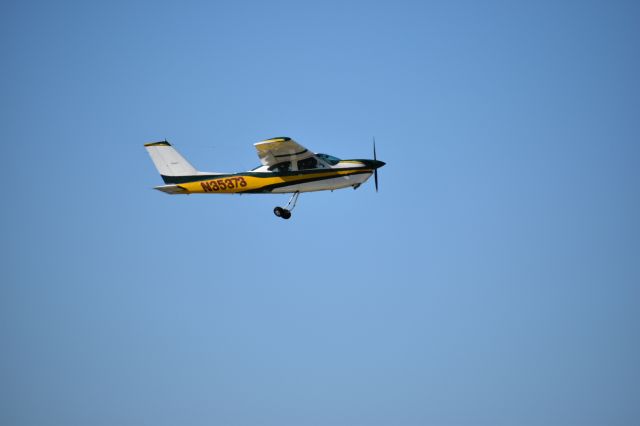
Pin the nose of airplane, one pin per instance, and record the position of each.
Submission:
(377, 164)
(374, 164)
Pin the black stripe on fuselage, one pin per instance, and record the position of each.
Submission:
(198, 178)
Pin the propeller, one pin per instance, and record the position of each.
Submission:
(375, 171)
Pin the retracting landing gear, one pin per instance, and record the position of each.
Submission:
(285, 212)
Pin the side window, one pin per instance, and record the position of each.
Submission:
(308, 163)
(281, 167)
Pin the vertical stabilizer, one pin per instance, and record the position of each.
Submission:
(168, 161)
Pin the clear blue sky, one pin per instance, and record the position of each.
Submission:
(494, 280)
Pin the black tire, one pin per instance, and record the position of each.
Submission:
(286, 214)
(278, 211)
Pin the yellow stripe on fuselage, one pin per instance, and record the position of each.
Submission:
(251, 183)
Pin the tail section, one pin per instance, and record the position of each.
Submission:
(168, 161)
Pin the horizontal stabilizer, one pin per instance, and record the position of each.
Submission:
(172, 189)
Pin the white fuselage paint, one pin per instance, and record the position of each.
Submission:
(325, 184)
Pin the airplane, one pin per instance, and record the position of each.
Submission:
(287, 167)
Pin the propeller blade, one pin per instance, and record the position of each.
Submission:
(375, 171)
(375, 176)
(374, 148)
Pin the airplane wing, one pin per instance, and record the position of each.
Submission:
(278, 150)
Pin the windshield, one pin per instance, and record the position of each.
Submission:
(329, 159)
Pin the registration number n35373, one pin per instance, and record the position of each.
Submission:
(223, 184)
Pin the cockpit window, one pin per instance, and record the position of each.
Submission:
(308, 163)
(281, 167)
(329, 159)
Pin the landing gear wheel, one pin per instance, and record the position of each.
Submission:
(285, 212)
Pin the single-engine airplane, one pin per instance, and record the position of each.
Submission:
(287, 167)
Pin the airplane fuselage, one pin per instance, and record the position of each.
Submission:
(350, 174)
